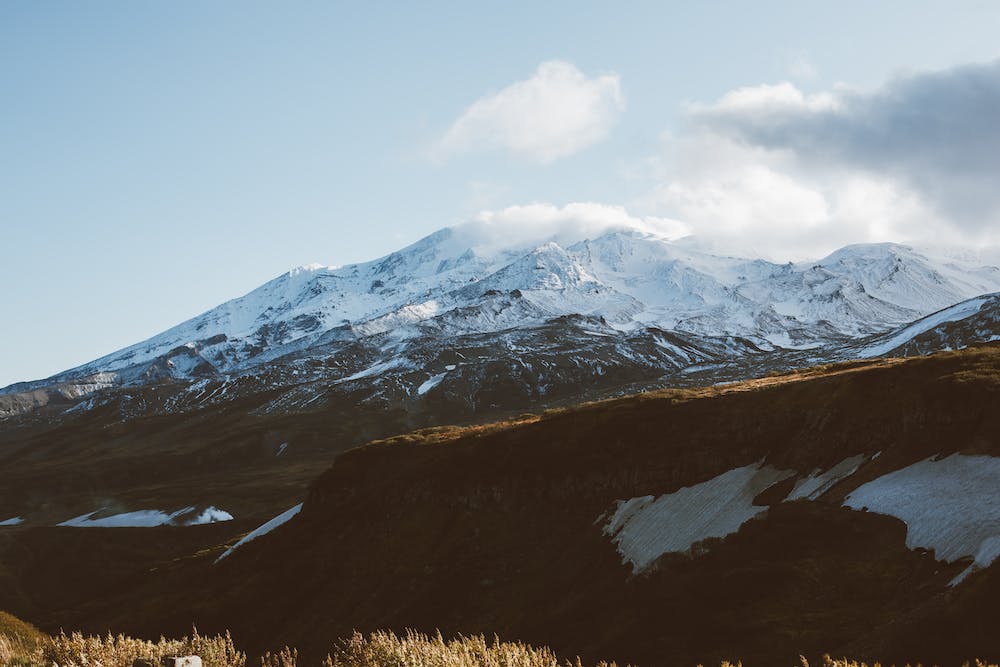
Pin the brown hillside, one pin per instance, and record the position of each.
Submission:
(498, 529)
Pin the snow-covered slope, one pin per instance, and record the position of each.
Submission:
(975, 320)
(187, 516)
(645, 528)
(949, 505)
(628, 277)
(386, 315)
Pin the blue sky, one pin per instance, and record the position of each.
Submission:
(160, 158)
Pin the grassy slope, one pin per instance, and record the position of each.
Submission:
(13, 627)
(221, 455)
(19, 641)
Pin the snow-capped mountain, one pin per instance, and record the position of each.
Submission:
(397, 315)
(966, 323)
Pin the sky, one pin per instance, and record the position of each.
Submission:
(159, 158)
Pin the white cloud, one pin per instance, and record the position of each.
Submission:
(934, 133)
(531, 225)
(583, 219)
(744, 200)
(767, 102)
(735, 201)
(773, 171)
(555, 113)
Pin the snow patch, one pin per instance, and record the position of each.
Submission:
(149, 518)
(264, 529)
(988, 552)
(951, 505)
(377, 369)
(137, 519)
(818, 483)
(13, 521)
(430, 383)
(645, 528)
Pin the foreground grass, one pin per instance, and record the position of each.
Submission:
(76, 650)
(385, 649)
(18, 640)
(830, 662)
(21, 645)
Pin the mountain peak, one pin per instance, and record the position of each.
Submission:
(630, 274)
(309, 268)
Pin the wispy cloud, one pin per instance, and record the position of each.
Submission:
(799, 67)
(576, 219)
(531, 225)
(556, 112)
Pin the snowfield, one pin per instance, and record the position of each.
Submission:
(955, 313)
(137, 519)
(645, 528)
(149, 518)
(950, 505)
(430, 383)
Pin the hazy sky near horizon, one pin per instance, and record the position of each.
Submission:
(159, 158)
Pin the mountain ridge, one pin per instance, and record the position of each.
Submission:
(461, 327)
(631, 278)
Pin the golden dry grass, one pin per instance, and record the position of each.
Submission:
(446, 433)
(76, 650)
(21, 645)
(386, 649)
(18, 641)
(844, 662)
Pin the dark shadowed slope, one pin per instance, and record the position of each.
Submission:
(505, 529)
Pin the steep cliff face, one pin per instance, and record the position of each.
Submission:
(530, 528)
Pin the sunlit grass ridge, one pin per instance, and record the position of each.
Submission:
(23, 646)
(76, 650)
